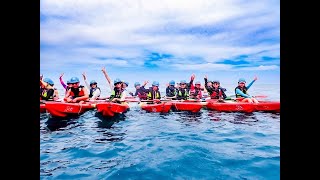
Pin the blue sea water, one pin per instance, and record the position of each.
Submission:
(176, 145)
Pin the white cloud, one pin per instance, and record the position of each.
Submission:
(260, 68)
(126, 30)
(202, 67)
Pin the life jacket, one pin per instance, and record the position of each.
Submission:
(195, 92)
(154, 95)
(172, 91)
(44, 95)
(184, 95)
(142, 95)
(93, 90)
(115, 93)
(244, 90)
(216, 93)
(77, 92)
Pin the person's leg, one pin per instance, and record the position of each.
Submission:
(255, 100)
(247, 100)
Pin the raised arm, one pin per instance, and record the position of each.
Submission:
(85, 80)
(255, 78)
(107, 77)
(61, 81)
(191, 86)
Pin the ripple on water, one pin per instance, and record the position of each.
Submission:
(175, 145)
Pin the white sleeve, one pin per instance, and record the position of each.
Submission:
(123, 95)
(96, 93)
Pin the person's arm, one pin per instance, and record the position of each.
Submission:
(238, 91)
(223, 94)
(107, 77)
(61, 81)
(82, 98)
(85, 80)
(205, 82)
(43, 83)
(56, 95)
(96, 94)
(255, 78)
(123, 96)
(168, 92)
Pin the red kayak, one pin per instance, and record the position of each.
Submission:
(64, 109)
(230, 106)
(187, 106)
(268, 106)
(109, 109)
(162, 107)
(43, 108)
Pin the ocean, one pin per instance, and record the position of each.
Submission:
(175, 145)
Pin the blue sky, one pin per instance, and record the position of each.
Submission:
(161, 40)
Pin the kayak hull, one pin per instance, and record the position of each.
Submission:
(43, 108)
(64, 109)
(163, 107)
(187, 106)
(230, 106)
(264, 106)
(268, 106)
(110, 109)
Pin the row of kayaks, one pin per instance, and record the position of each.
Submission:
(109, 109)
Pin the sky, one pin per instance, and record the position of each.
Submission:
(138, 40)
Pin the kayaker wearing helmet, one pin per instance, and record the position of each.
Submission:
(124, 86)
(47, 91)
(117, 94)
(171, 90)
(94, 90)
(77, 93)
(153, 92)
(195, 91)
(241, 91)
(214, 89)
(183, 90)
(141, 92)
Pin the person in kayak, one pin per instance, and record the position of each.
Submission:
(141, 92)
(124, 86)
(171, 90)
(241, 91)
(195, 91)
(214, 90)
(47, 91)
(184, 88)
(154, 93)
(117, 94)
(77, 93)
(94, 90)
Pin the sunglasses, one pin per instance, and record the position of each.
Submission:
(182, 84)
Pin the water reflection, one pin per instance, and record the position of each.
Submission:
(55, 123)
(243, 118)
(187, 117)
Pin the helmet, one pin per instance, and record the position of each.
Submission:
(126, 82)
(74, 80)
(155, 83)
(49, 81)
(93, 82)
(242, 80)
(116, 81)
(136, 84)
(183, 82)
(198, 82)
(216, 81)
(172, 83)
